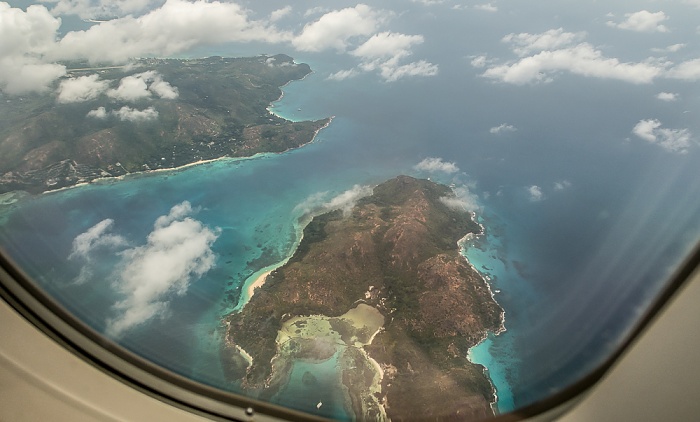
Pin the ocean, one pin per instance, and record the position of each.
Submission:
(583, 225)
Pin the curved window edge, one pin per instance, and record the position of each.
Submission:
(49, 317)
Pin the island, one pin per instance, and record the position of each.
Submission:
(107, 121)
(385, 294)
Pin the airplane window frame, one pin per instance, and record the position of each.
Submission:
(46, 314)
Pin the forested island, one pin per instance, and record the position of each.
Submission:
(152, 114)
(385, 292)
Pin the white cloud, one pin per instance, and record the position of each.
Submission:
(85, 244)
(428, 2)
(561, 185)
(83, 88)
(125, 114)
(160, 87)
(688, 71)
(582, 59)
(673, 140)
(319, 204)
(280, 13)
(347, 200)
(177, 253)
(25, 37)
(503, 127)
(535, 193)
(98, 113)
(141, 85)
(335, 29)
(134, 115)
(175, 27)
(384, 51)
(670, 49)
(544, 55)
(392, 72)
(318, 10)
(131, 88)
(341, 75)
(642, 21)
(526, 43)
(486, 7)
(667, 96)
(479, 61)
(91, 9)
(463, 200)
(387, 44)
(433, 164)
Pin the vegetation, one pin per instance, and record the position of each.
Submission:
(220, 110)
(398, 252)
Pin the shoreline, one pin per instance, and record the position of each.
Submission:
(319, 326)
(463, 247)
(108, 179)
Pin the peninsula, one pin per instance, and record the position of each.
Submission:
(386, 293)
(153, 114)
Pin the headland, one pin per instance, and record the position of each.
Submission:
(210, 108)
(386, 292)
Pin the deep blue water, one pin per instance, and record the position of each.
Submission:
(573, 270)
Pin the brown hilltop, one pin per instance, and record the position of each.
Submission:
(398, 252)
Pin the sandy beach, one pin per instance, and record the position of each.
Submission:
(257, 283)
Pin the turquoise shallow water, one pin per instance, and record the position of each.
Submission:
(315, 387)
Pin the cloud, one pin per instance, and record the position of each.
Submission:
(562, 185)
(486, 7)
(432, 165)
(387, 45)
(526, 43)
(642, 21)
(502, 128)
(542, 56)
(463, 200)
(98, 113)
(392, 72)
(80, 89)
(688, 71)
(535, 193)
(341, 75)
(140, 86)
(581, 59)
(384, 52)
(134, 115)
(428, 2)
(670, 49)
(25, 37)
(125, 114)
(177, 253)
(280, 13)
(176, 26)
(667, 96)
(479, 61)
(87, 243)
(319, 204)
(131, 88)
(318, 10)
(672, 140)
(30, 45)
(334, 29)
(163, 89)
(86, 9)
